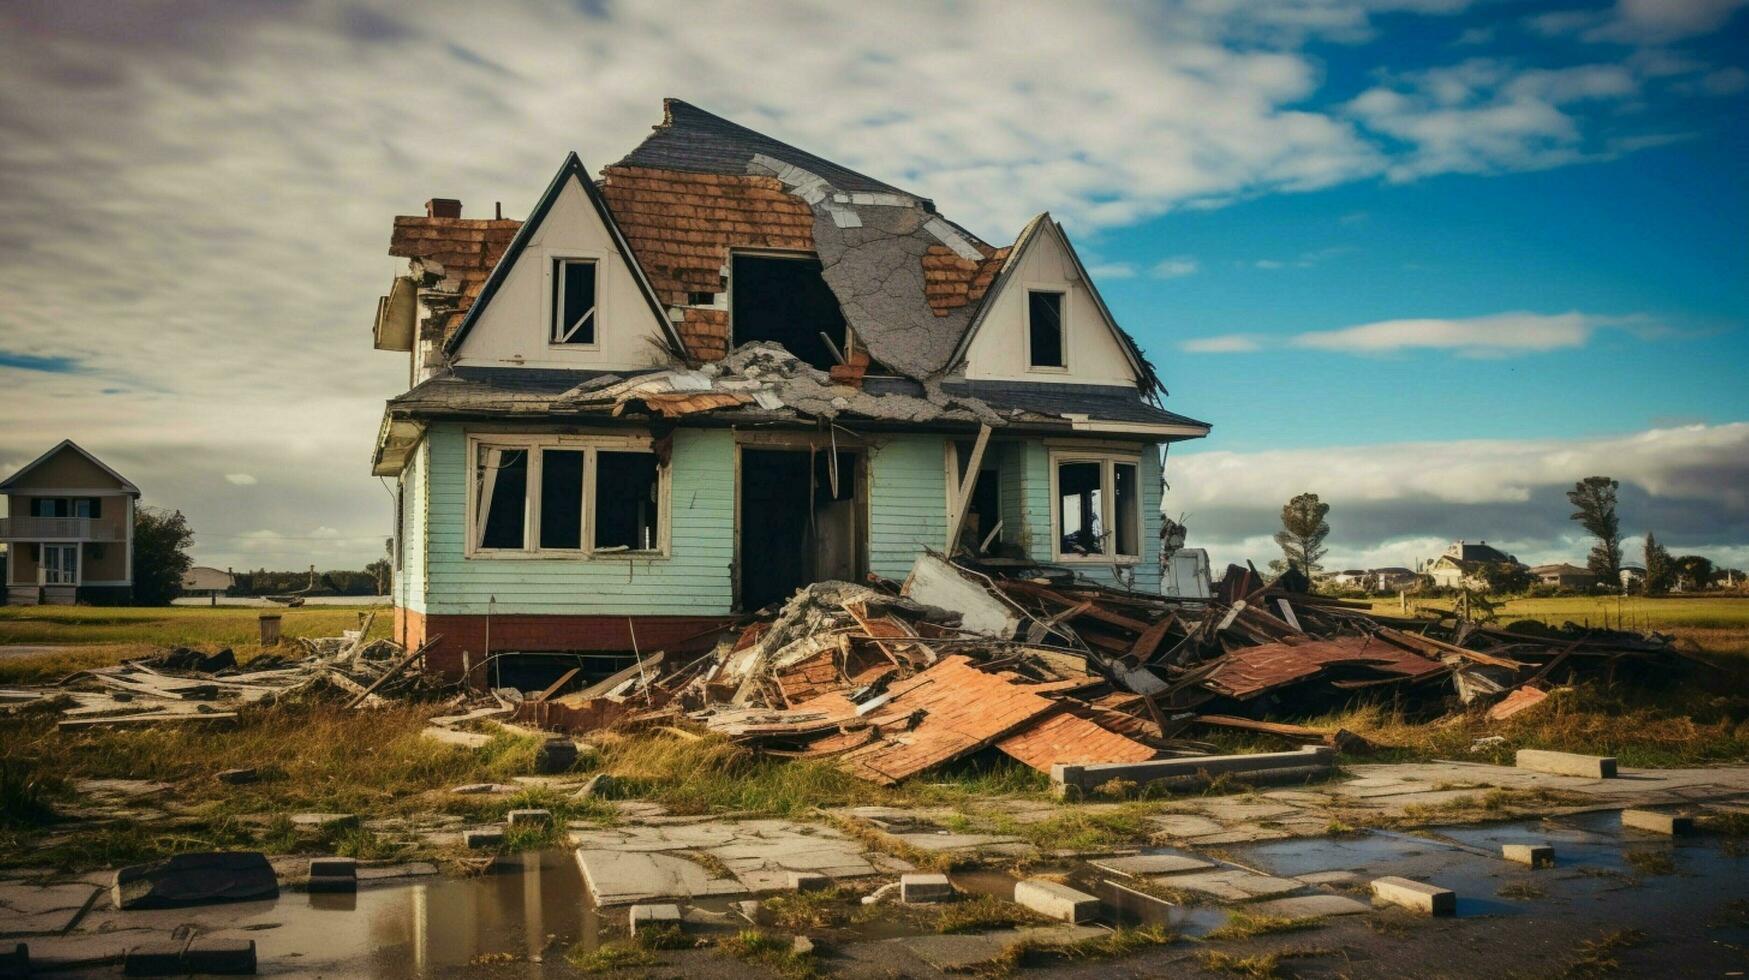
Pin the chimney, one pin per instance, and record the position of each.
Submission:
(443, 207)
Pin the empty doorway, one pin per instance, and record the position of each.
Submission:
(801, 521)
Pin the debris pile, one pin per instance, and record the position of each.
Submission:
(184, 685)
(1050, 669)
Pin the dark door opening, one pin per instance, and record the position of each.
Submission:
(798, 525)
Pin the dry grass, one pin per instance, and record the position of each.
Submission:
(1119, 942)
(1632, 612)
(773, 952)
(1597, 957)
(1244, 925)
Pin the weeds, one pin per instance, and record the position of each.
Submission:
(804, 911)
(774, 952)
(982, 913)
(1120, 942)
(1597, 957)
(1522, 891)
(1651, 862)
(1260, 966)
(25, 792)
(608, 958)
(1244, 925)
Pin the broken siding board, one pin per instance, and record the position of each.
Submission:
(410, 583)
(693, 579)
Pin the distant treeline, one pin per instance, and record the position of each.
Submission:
(373, 580)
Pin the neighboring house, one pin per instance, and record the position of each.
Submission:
(1566, 576)
(69, 530)
(1632, 576)
(730, 368)
(204, 581)
(1392, 578)
(1350, 578)
(1461, 561)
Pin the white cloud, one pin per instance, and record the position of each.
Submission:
(1113, 270)
(1175, 268)
(240, 479)
(1392, 503)
(1640, 22)
(1482, 336)
(1226, 344)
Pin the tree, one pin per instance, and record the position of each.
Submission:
(1694, 573)
(1594, 501)
(381, 573)
(1302, 534)
(1660, 568)
(161, 541)
(1503, 577)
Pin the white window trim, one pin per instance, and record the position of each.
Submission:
(589, 446)
(42, 564)
(1063, 290)
(1108, 503)
(555, 303)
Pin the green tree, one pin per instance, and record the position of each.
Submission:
(1660, 567)
(161, 542)
(1503, 577)
(1694, 573)
(1593, 500)
(1302, 534)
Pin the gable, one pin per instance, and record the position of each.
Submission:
(511, 322)
(1096, 351)
(67, 467)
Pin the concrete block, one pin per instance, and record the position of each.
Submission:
(529, 818)
(195, 879)
(925, 888)
(1072, 780)
(329, 884)
(333, 867)
(153, 960)
(1415, 895)
(483, 838)
(1653, 822)
(1056, 901)
(1567, 763)
(1535, 855)
(808, 881)
(233, 957)
(655, 916)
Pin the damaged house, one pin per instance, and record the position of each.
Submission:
(728, 368)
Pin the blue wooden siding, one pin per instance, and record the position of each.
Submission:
(1033, 506)
(410, 581)
(907, 501)
(693, 580)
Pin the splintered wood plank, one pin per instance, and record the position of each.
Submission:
(1068, 738)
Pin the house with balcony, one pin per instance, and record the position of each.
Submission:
(68, 530)
(725, 368)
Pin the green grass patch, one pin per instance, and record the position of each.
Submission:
(1243, 925)
(1119, 942)
(609, 958)
(774, 952)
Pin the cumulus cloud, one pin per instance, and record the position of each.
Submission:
(240, 479)
(1690, 484)
(1640, 22)
(1496, 335)
(1175, 268)
(1233, 343)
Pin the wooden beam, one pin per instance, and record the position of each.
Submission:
(393, 670)
(967, 483)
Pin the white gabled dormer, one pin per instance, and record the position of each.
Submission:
(567, 293)
(1044, 321)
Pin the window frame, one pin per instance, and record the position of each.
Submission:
(589, 446)
(1058, 289)
(1108, 461)
(555, 287)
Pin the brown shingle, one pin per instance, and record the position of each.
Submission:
(951, 282)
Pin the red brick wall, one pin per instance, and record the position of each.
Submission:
(556, 634)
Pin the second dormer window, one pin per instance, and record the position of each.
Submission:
(574, 301)
(1044, 330)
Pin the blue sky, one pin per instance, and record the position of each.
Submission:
(1433, 259)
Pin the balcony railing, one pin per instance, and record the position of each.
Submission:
(59, 529)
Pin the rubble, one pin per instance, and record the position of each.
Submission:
(892, 680)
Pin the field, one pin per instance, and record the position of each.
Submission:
(90, 636)
(1717, 627)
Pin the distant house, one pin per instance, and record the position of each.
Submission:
(206, 581)
(1462, 561)
(1355, 578)
(1566, 576)
(1391, 578)
(69, 530)
(1632, 576)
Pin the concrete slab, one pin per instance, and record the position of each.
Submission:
(32, 910)
(1567, 763)
(1328, 877)
(1416, 896)
(1533, 855)
(313, 823)
(1654, 822)
(194, 879)
(1055, 900)
(947, 841)
(533, 817)
(1184, 825)
(958, 954)
(1231, 884)
(1310, 906)
(622, 877)
(915, 888)
(1136, 865)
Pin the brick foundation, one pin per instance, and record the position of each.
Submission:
(551, 634)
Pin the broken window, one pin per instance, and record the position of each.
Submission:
(626, 497)
(785, 299)
(573, 301)
(1082, 507)
(1044, 329)
(501, 492)
(1099, 512)
(561, 499)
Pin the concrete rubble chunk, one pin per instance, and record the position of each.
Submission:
(1055, 900)
(1654, 822)
(1567, 763)
(1309, 907)
(655, 916)
(1074, 780)
(1415, 895)
(232, 957)
(332, 874)
(153, 960)
(916, 888)
(801, 946)
(1151, 864)
(529, 818)
(483, 838)
(808, 881)
(1533, 855)
(555, 755)
(195, 879)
